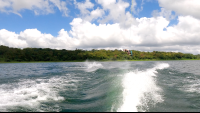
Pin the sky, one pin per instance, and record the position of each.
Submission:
(143, 25)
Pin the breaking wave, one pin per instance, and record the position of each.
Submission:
(30, 94)
(140, 90)
(92, 66)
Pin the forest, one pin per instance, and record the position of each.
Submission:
(9, 54)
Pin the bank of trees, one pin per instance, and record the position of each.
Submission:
(8, 54)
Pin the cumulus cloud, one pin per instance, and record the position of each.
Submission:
(112, 7)
(148, 35)
(38, 6)
(11, 39)
(34, 38)
(108, 6)
(187, 31)
(95, 14)
(182, 7)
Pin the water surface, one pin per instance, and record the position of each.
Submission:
(148, 86)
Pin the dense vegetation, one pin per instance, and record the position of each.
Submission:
(8, 54)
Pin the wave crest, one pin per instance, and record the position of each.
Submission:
(93, 66)
(140, 89)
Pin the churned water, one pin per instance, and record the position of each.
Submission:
(143, 86)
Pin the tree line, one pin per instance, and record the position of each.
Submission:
(9, 54)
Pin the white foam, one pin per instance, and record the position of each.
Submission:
(30, 93)
(140, 89)
(191, 85)
(161, 66)
(93, 66)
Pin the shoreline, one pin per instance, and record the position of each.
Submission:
(93, 61)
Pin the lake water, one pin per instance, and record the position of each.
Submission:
(144, 86)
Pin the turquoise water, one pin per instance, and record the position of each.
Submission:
(144, 86)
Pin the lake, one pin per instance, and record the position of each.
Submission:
(143, 86)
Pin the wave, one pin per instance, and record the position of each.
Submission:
(140, 90)
(92, 66)
(191, 84)
(30, 94)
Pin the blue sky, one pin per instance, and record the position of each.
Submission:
(101, 24)
(49, 23)
(52, 23)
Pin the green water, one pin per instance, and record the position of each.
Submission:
(149, 86)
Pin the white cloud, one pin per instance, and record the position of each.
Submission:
(182, 7)
(95, 14)
(86, 14)
(34, 38)
(136, 10)
(4, 3)
(92, 36)
(116, 12)
(148, 35)
(61, 5)
(186, 32)
(11, 39)
(106, 3)
(164, 13)
(83, 7)
(37, 6)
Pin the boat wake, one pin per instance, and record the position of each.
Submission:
(92, 66)
(140, 90)
(28, 95)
